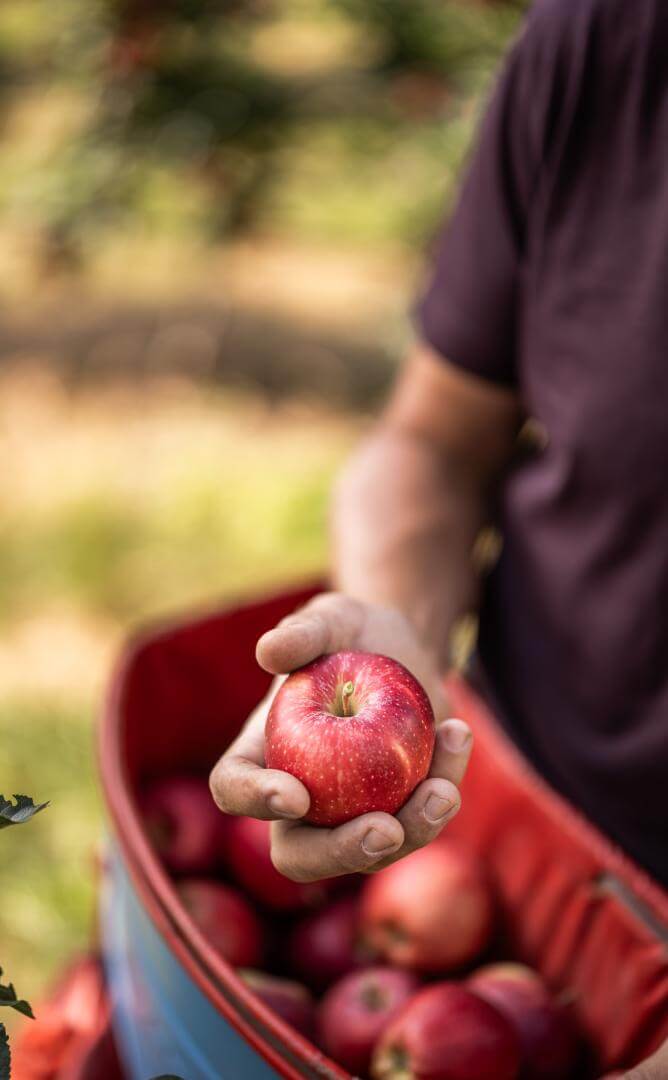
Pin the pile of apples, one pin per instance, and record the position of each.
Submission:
(380, 970)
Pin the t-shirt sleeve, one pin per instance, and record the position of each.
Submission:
(469, 312)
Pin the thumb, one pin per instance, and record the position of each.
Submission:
(328, 623)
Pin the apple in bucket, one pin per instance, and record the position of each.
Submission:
(548, 1036)
(357, 1009)
(289, 999)
(184, 825)
(325, 945)
(249, 860)
(446, 1032)
(433, 911)
(357, 729)
(226, 920)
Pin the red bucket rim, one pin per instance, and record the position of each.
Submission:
(280, 1044)
(284, 1048)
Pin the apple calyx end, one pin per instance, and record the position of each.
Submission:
(373, 997)
(392, 1063)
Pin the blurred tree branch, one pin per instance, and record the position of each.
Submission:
(176, 89)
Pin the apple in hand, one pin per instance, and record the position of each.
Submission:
(548, 1037)
(357, 729)
(432, 911)
(184, 824)
(356, 1010)
(447, 1033)
(289, 999)
(249, 860)
(325, 945)
(225, 919)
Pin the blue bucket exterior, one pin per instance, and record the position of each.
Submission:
(163, 1023)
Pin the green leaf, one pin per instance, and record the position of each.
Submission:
(8, 997)
(5, 1056)
(22, 810)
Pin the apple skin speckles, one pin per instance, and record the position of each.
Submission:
(371, 759)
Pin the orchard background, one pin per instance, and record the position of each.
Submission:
(213, 215)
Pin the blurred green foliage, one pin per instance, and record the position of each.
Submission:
(115, 542)
(209, 520)
(328, 118)
(343, 122)
(53, 873)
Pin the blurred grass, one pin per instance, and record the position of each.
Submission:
(164, 497)
(322, 135)
(344, 119)
(143, 504)
(49, 874)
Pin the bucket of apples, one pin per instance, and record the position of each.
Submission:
(397, 975)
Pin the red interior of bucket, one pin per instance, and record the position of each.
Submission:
(575, 908)
(178, 699)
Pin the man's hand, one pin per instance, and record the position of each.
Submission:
(242, 785)
(655, 1068)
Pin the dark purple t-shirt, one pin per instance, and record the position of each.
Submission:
(552, 277)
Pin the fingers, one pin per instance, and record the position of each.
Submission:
(653, 1068)
(454, 743)
(240, 784)
(436, 801)
(375, 840)
(303, 853)
(327, 623)
(431, 806)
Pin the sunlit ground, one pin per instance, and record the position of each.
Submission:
(128, 501)
(120, 505)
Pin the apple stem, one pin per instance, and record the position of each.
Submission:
(347, 691)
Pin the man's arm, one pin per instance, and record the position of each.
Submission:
(413, 499)
(408, 511)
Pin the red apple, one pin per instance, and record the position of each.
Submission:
(225, 919)
(356, 1010)
(290, 1000)
(432, 911)
(548, 1037)
(184, 824)
(447, 1033)
(249, 860)
(357, 729)
(325, 945)
(78, 1010)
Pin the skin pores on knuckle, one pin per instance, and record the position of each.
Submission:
(295, 871)
(420, 835)
(236, 789)
(342, 613)
(343, 859)
(281, 861)
(287, 854)
(217, 786)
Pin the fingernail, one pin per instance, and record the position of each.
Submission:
(276, 804)
(377, 843)
(455, 735)
(436, 808)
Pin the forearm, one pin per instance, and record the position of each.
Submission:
(405, 520)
